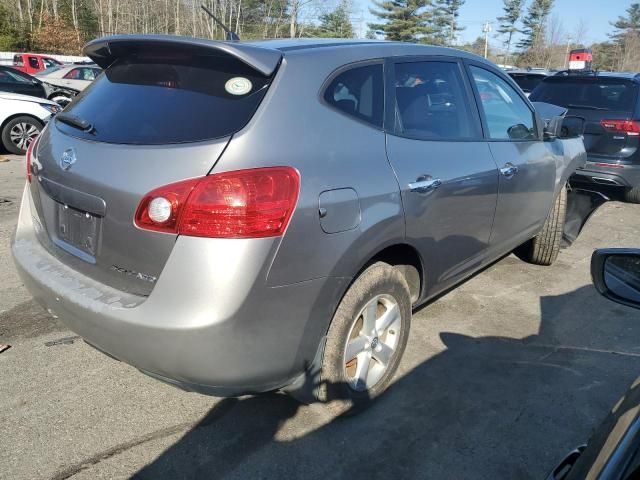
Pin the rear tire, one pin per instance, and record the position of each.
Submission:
(371, 326)
(19, 132)
(632, 195)
(544, 248)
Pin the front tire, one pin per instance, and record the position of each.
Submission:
(632, 195)
(544, 248)
(366, 339)
(19, 132)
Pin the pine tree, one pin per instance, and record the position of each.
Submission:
(336, 24)
(512, 13)
(405, 20)
(535, 23)
(446, 13)
(628, 24)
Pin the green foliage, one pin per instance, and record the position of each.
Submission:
(605, 55)
(446, 15)
(405, 20)
(534, 23)
(477, 46)
(628, 24)
(512, 13)
(336, 24)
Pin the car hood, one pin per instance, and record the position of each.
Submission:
(24, 98)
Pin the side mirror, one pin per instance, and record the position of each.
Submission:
(564, 127)
(616, 274)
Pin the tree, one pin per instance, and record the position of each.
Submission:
(477, 47)
(512, 13)
(336, 24)
(534, 24)
(628, 24)
(404, 20)
(446, 15)
(626, 39)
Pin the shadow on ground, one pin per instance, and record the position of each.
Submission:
(488, 407)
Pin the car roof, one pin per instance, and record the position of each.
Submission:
(265, 55)
(521, 71)
(633, 76)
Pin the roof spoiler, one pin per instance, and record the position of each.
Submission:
(106, 50)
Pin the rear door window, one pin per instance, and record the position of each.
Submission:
(162, 97)
(359, 92)
(591, 93)
(507, 115)
(431, 102)
(33, 62)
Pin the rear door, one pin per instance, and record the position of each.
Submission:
(606, 103)
(448, 179)
(158, 116)
(527, 167)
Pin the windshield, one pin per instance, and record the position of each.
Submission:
(49, 70)
(597, 93)
(168, 97)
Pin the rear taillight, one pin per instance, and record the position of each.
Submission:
(237, 204)
(630, 127)
(29, 157)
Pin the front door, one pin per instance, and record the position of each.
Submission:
(448, 178)
(527, 167)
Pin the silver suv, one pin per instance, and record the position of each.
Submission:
(236, 218)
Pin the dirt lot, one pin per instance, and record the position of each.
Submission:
(501, 378)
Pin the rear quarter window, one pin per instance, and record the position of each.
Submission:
(359, 93)
(18, 61)
(169, 97)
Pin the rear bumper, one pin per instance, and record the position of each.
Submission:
(211, 324)
(620, 175)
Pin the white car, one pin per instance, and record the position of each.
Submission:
(63, 82)
(22, 118)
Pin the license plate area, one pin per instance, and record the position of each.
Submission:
(78, 232)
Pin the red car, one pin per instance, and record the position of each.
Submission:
(33, 62)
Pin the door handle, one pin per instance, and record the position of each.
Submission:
(425, 184)
(509, 170)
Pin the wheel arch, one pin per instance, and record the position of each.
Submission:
(16, 115)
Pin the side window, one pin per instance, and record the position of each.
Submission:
(431, 102)
(48, 63)
(508, 116)
(6, 78)
(15, 77)
(33, 62)
(359, 92)
(73, 74)
(88, 74)
(18, 61)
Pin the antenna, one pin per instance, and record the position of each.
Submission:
(231, 35)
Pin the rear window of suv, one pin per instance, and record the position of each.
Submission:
(612, 94)
(152, 98)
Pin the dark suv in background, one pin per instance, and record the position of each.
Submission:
(609, 103)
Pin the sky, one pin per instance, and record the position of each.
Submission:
(597, 14)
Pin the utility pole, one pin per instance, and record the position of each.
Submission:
(486, 30)
(566, 55)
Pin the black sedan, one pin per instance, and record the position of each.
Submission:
(15, 81)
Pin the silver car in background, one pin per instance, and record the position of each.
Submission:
(236, 218)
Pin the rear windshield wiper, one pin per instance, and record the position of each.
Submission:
(76, 122)
(586, 107)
